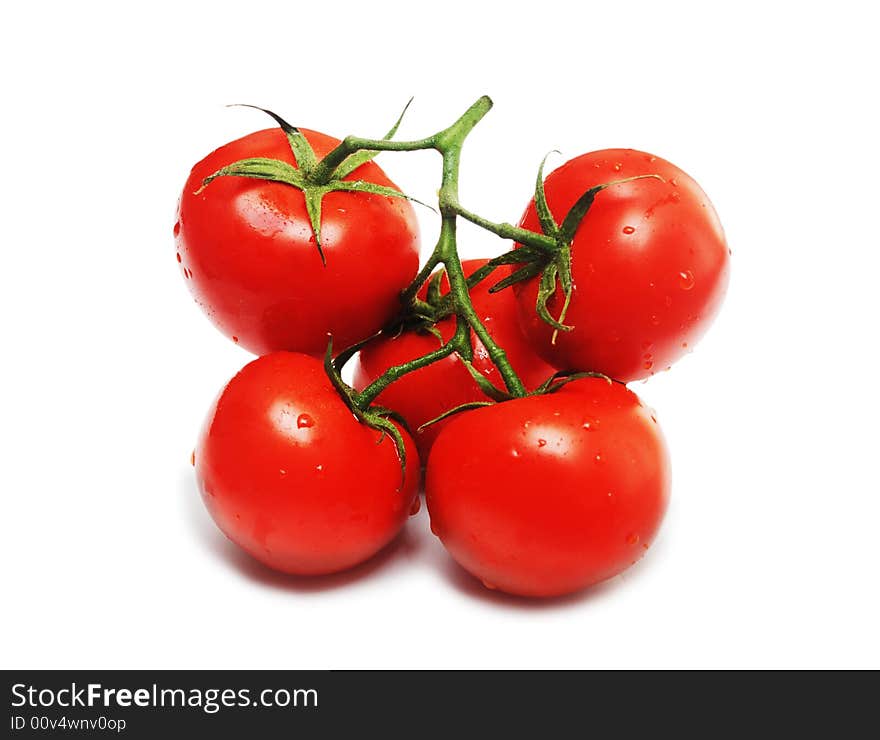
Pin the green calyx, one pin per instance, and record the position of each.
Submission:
(376, 417)
(552, 263)
(315, 178)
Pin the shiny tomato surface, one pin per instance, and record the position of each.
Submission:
(426, 393)
(248, 253)
(546, 495)
(650, 267)
(290, 475)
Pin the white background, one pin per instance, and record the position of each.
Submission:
(769, 555)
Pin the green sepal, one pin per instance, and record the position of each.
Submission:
(361, 186)
(375, 417)
(582, 205)
(353, 161)
(343, 357)
(485, 385)
(260, 168)
(517, 256)
(386, 426)
(456, 410)
(299, 145)
(546, 289)
(565, 377)
(545, 217)
(529, 270)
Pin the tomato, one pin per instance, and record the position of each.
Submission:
(546, 495)
(290, 475)
(248, 252)
(426, 393)
(649, 266)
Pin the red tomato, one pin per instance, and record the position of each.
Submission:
(290, 475)
(425, 394)
(649, 266)
(545, 495)
(248, 252)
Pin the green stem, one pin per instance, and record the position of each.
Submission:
(508, 231)
(449, 144)
(396, 372)
(323, 171)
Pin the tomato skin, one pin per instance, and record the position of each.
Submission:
(249, 256)
(426, 393)
(289, 474)
(650, 267)
(546, 495)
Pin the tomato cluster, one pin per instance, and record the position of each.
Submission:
(503, 378)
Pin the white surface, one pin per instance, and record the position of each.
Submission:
(769, 554)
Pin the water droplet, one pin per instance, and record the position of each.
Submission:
(318, 468)
(684, 345)
(644, 545)
(178, 258)
(304, 421)
(176, 228)
(591, 425)
(648, 356)
(515, 453)
(610, 494)
(632, 539)
(416, 505)
(628, 230)
(686, 280)
(673, 182)
(527, 424)
(618, 166)
(192, 458)
(542, 442)
(652, 159)
(490, 586)
(655, 320)
(648, 364)
(282, 471)
(598, 458)
(235, 339)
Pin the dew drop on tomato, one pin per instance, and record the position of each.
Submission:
(416, 505)
(632, 539)
(542, 442)
(304, 421)
(628, 230)
(176, 228)
(686, 280)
